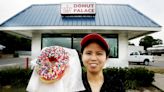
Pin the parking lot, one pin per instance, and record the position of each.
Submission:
(14, 62)
(159, 62)
(21, 61)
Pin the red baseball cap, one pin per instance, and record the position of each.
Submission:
(94, 37)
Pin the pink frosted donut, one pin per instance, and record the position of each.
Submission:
(52, 64)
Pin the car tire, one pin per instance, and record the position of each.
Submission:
(146, 62)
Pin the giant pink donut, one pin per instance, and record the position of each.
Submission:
(52, 64)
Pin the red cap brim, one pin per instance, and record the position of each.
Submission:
(94, 37)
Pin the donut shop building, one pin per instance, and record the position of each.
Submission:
(65, 24)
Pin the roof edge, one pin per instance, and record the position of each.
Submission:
(143, 15)
(16, 14)
(82, 27)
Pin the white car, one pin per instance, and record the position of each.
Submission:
(138, 57)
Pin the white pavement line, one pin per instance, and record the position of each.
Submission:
(10, 64)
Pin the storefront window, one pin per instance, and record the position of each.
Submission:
(73, 41)
(113, 44)
(51, 40)
(112, 40)
(65, 42)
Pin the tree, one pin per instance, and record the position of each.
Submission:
(149, 41)
(157, 42)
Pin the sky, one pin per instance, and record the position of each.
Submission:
(154, 9)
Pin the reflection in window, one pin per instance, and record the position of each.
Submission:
(112, 40)
(76, 44)
(113, 46)
(59, 41)
(65, 40)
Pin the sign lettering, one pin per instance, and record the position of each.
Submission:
(78, 8)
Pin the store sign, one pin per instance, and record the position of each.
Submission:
(78, 8)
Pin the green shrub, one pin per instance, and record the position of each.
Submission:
(16, 77)
(143, 76)
(131, 77)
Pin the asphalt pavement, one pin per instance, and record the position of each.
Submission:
(159, 81)
(12, 62)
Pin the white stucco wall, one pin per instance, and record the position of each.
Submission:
(122, 60)
(36, 44)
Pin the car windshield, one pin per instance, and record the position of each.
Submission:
(141, 53)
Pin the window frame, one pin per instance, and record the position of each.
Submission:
(78, 35)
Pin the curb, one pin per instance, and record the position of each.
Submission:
(157, 88)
